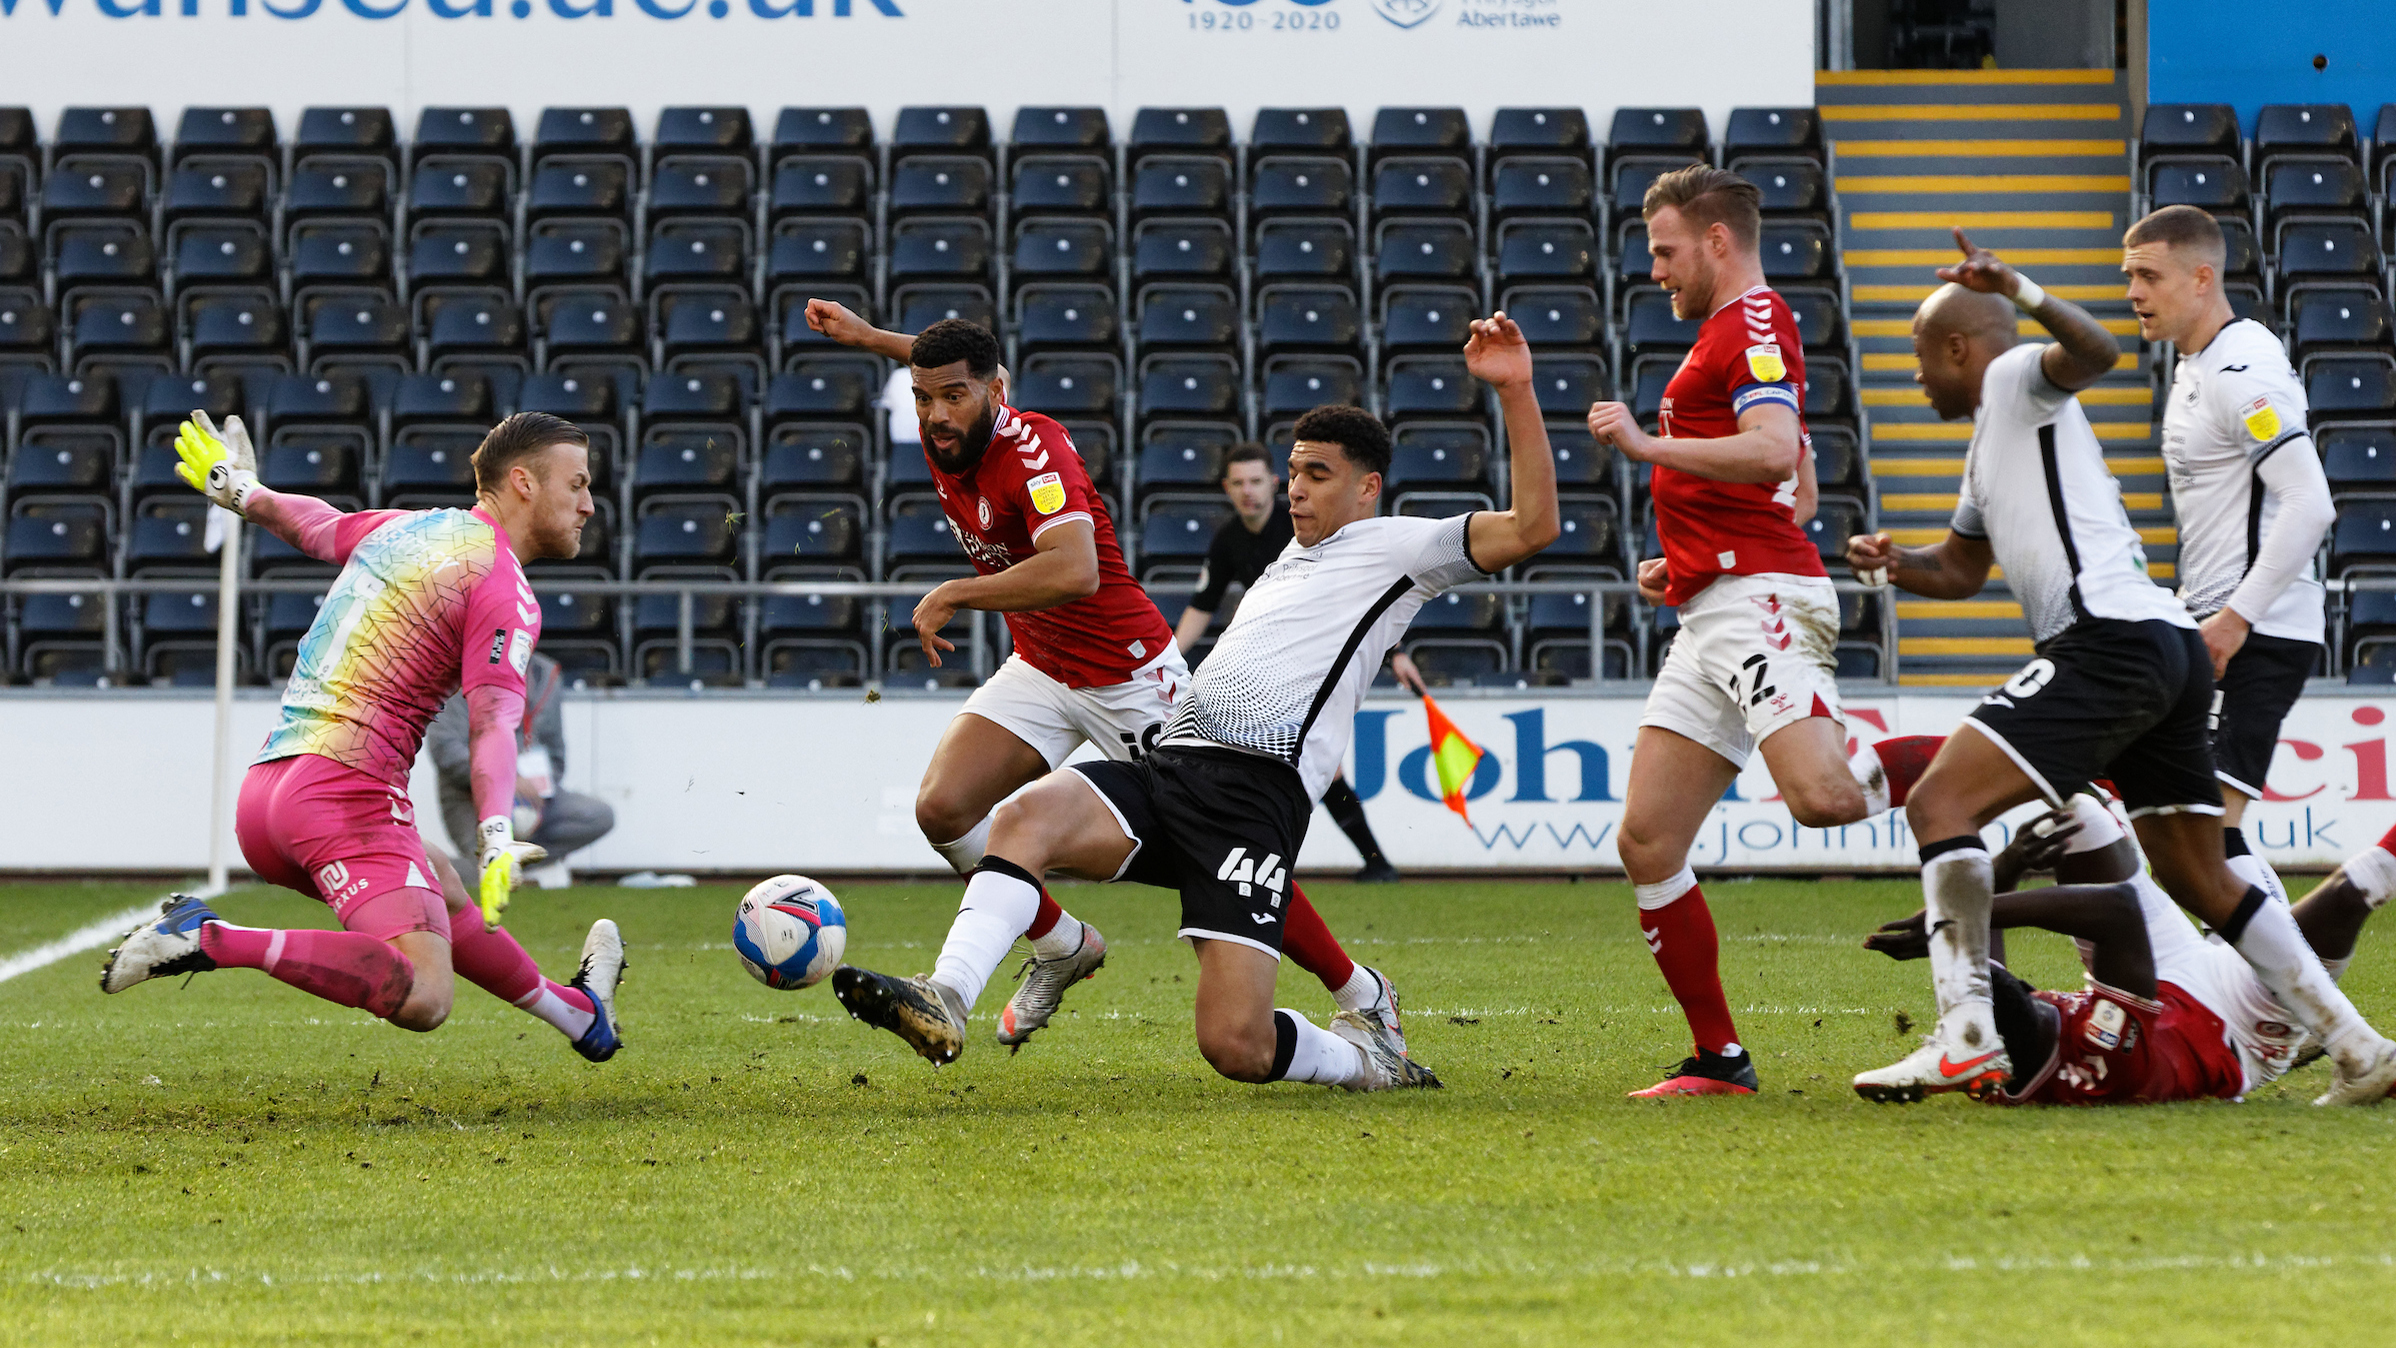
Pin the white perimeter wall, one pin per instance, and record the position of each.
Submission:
(759, 785)
(883, 54)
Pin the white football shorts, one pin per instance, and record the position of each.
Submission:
(1754, 654)
(1120, 720)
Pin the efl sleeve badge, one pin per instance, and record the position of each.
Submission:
(1764, 363)
(2261, 418)
(1048, 493)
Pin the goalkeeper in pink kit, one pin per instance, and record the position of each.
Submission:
(427, 602)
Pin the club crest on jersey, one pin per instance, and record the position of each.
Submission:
(982, 508)
(1048, 493)
(1764, 362)
(2262, 420)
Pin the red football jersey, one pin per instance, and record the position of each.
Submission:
(1747, 353)
(2115, 1049)
(1028, 481)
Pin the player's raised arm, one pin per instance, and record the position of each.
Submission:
(842, 325)
(221, 465)
(2083, 351)
(1498, 355)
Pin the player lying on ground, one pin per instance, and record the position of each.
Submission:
(2121, 689)
(2252, 501)
(2167, 1014)
(427, 601)
(1755, 662)
(1093, 663)
(1220, 808)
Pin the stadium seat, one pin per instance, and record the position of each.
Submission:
(1439, 455)
(1181, 249)
(1063, 316)
(1061, 128)
(940, 130)
(2338, 318)
(239, 331)
(1414, 185)
(1772, 132)
(1278, 129)
(1539, 130)
(807, 251)
(1428, 250)
(1294, 385)
(1077, 184)
(803, 457)
(1183, 455)
(345, 132)
(1546, 250)
(1650, 327)
(448, 187)
(90, 186)
(1181, 185)
(1436, 387)
(1064, 247)
(2345, 387)
(580, 185)
(1583, 466)
(1418, 317)
(1300, 185)
(105, 130)
(1179, 529)
(1189, 385)
(821, 185)
(1062, 385)
(341, 186)
(701, 250)
(1307, 318)
(1568, 384)
(821, 130)
(584, 131)
(1179, 131)
(822, 528)
(2189, 128)
(2304, 128)
(1413, 131)
(480, 131)
(246, 132)
(1587, 531)
(2208, 184)
(1541, 185)
(1187, 316)
(945, 248)
(1789, 186)
(1305, 248)
(2364, 536)
(219, 189)
(919, 306)
(704, 128)
(2358, 455)
(2316, 185)
(1836, 519)
(1797, 250)
(1648, 131)
(700, 184)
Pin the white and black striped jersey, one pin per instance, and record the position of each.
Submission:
(1285, 678)
(2234, 406)
(2036, 487)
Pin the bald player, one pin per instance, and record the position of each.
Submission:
(2121, 686)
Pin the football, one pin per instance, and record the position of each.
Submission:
(790, 932)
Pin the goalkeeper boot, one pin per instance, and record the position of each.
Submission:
(1934, 1069)
(929, 1015)
(1044, 984)
(1386, 1066)
(602, 969)
(161, 949)
(1705, 1073)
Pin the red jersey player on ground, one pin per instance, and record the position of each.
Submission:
(2166, 1014)
(1753, 664)
(1094, 661)
(427, 602)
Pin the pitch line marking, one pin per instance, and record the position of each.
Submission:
(90, 936)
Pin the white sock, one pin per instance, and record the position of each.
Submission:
(1958, 888)
(1662, 892)
(2374, 872)
(2293, 974)
(2337, 968)
(1320, 1056)
(2099, 827)
(1872, 777)
(2257, 872)
(571, 1021)
(1360, 991)
(997, 908)
(1062, 939)
(966, 853)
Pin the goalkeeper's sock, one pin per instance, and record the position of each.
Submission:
(346, 968)
(1000, 902)
(1311, 946)
(494, 962)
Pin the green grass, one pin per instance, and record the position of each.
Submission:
(233, 1161)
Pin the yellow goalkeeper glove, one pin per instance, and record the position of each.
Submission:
(219, 465)
(503, 863)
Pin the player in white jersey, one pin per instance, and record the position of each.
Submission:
(2121, 688)
(2252, 501)
(1218, 810)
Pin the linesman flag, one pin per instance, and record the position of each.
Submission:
(1453, 756)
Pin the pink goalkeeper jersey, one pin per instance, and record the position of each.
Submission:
(428, 603)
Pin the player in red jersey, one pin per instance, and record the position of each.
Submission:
(2167, 1014)
(1094, 661)
(1754, 662)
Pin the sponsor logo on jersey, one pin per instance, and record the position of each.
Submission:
(332, 875)
(1764, 362)
(519, 651)
(2262, 420)
(1048, 493)
(2106, 1021)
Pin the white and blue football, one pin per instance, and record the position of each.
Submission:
(790, 932)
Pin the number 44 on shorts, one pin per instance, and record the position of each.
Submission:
(1238, 869)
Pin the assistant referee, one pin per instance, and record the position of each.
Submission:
(1246, 544)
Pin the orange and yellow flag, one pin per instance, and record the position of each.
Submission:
(1453, 756)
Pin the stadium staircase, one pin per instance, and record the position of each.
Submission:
(2034, 164)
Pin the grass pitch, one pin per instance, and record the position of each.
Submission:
(232, 1161)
